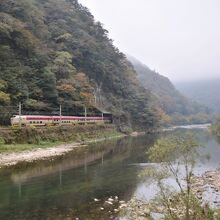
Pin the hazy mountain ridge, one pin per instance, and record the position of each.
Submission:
(168, 98)
(203, 91)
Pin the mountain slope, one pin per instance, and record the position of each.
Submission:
(168, 98)
(53, 52)
(203, 91)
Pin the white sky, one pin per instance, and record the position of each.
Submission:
(178, 38)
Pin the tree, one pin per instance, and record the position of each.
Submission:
(176, 156)
(63, 65)
(4, 97)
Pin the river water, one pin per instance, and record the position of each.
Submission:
(65, 188)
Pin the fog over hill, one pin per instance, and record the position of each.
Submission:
(203, 91)
(180, 39)
(180, 108)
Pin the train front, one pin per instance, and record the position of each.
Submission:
(15, 120)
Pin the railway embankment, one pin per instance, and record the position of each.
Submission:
(53, 134)
(29, 144)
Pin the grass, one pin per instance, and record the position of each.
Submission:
(10, 148)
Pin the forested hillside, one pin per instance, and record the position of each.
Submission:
(53, 52)
(177, 108)
(204, 91)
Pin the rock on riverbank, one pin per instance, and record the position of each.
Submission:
(207, 188)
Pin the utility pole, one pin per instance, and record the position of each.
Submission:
(85, 113)
(60, 115)
(19, 112)
(95, 98)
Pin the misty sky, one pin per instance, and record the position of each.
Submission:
(177, 38)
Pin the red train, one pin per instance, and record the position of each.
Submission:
(42, 120)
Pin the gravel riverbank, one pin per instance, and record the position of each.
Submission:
(9, 159)
(207, 188)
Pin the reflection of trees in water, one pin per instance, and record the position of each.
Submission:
(66, 186)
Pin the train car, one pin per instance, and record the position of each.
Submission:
(42, 120)
(35, 120)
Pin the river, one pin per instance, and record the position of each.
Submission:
(65, 187)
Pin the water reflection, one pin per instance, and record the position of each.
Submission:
(64, 188)
(208, 159)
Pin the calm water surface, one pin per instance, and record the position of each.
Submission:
(65, 188)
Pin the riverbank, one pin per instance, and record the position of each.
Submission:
(13, 158)
(207, 188)
(31, 144)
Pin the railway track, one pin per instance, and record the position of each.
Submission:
(45, 127)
